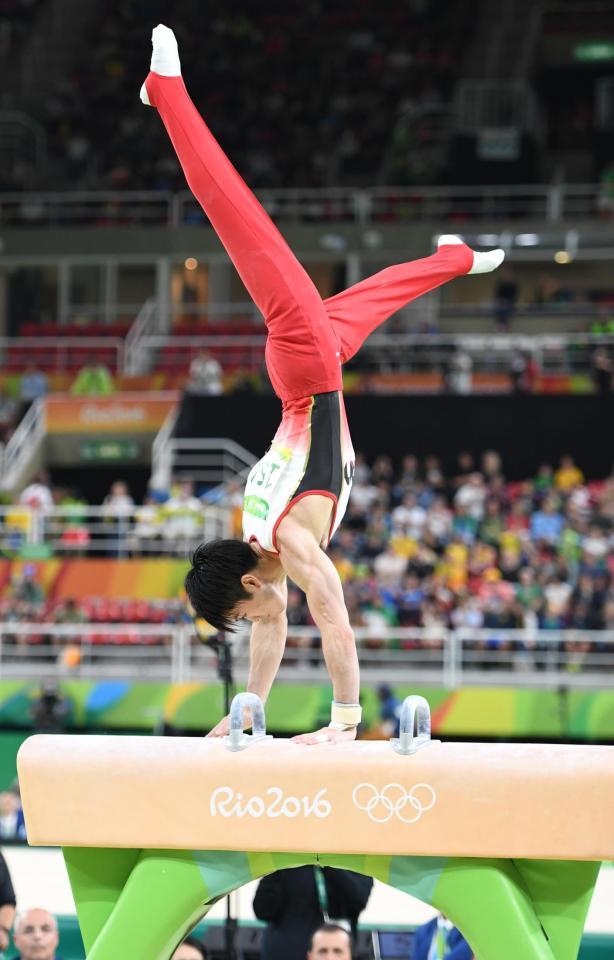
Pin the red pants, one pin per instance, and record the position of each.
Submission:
(308, 338)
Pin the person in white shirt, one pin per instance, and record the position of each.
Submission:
(205, 375)
(37, 495)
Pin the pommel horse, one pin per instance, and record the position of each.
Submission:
(506, 839)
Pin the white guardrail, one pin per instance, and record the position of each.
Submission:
(551, 202)
(148, 530)
(490, 353)
(450, 658)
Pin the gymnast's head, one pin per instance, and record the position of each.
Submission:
(231, 580)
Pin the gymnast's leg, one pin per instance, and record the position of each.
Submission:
(359, 310)
(302, 348)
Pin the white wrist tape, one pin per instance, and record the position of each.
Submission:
(345, 716)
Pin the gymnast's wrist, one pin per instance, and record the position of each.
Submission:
(344, 716)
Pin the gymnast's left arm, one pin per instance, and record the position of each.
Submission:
(314, 572)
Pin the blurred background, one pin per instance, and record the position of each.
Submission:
(476, 554)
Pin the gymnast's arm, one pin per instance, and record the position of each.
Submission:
(306, 563)
(266, 648)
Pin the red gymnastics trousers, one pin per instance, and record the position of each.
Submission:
(308, 338)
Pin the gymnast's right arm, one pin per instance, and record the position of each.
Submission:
(266, 648)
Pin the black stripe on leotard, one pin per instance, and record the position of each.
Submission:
(324, 464)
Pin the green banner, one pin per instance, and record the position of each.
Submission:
(482, 712)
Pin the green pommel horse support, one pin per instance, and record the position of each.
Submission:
(506, 839)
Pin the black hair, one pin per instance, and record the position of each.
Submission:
(213, 584)
(193, 942)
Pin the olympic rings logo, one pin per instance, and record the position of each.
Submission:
(394, 800)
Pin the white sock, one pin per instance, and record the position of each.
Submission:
(164, 57)
(482, 262)
(165, 54)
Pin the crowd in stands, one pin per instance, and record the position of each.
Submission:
(469, 550)
(418, 548)
(252, 73)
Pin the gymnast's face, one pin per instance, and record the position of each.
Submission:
(266, 600)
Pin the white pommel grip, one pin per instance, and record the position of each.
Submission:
(345, 716)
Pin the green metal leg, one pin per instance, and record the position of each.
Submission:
(142, 903)
(561, 892)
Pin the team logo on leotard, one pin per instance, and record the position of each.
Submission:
(394, 800)
(348, 471)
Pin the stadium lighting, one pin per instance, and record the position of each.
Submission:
(190, 263)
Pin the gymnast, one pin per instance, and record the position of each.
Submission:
(297, 494)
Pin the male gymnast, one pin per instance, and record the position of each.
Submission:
(296, 496)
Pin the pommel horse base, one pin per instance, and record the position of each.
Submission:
(506, 839)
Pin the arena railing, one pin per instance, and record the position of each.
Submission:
(550, 202)
(582, 659)
(83, 530)
(62, 354)
(490, 352)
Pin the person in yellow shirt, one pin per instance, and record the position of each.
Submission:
(568, 475)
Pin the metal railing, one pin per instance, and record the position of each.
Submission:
(581, 659)
(552, 202)
(146, 323)
(76, 530)
(62, 354)
(490, 353)
(213, 461)
(23, 446)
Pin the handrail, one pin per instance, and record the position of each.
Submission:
(132, 357)
(451, 658)
(552, 202)
(23, 445)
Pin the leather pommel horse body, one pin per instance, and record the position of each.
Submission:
(506, 839)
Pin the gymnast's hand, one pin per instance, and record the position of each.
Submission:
(326, 735)
(222, 729)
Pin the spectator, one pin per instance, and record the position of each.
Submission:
(36, 936)
(118, 502)
(12, 823)
(33, 384)
(26, 587)
(471, 496)
(568, 475)
(506, 296)
(459, 375)
(389, 711)
(37, 495)
(183, 513)
(439, 938)
(547, 523)
(148, 524)
(294, 903)
(330, 942)
(190, 949)
(601, 368)
(50, 710)
(205, 375)
(93, 379)
(7, 905)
